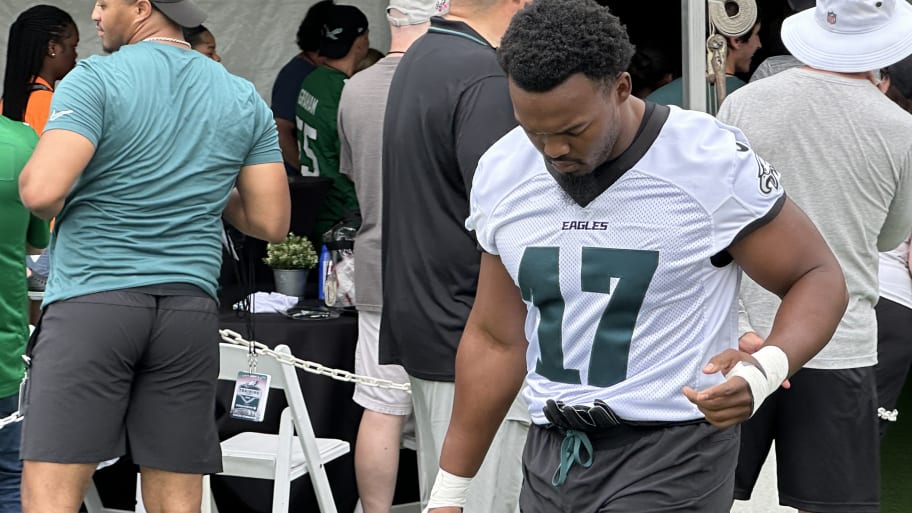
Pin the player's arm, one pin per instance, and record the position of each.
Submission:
(490, 369)
(59, 159)
(260, 205)
(788, 257)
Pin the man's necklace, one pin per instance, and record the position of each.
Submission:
(169, 40)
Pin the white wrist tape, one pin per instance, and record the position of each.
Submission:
(765, 380)
(449, 491)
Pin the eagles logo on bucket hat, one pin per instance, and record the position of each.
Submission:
(850, 36)
(183, 12)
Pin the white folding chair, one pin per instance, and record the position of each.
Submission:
(286, 456)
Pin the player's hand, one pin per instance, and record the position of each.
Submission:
(750, 343)
(444, 510)
(729, 402)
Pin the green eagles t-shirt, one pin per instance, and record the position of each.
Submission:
(318, 142)
(17, 227)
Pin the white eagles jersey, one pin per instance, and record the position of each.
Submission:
(624, 302)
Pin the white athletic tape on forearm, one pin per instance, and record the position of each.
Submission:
(765, 381)
(449, 491)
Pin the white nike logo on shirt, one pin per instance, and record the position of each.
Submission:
(55, 114)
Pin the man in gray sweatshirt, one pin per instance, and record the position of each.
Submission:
(845, 156)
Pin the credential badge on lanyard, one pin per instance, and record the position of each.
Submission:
(251, 391)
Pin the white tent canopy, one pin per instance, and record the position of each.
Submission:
(257, 37)
(254, 37)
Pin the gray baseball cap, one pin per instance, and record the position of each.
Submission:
(413, 12)
(183, 12)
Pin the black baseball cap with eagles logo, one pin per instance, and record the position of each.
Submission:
(183, 12)
(343, 24)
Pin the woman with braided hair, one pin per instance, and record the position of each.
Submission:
(41, 51)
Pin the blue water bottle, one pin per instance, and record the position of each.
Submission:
(323, 266)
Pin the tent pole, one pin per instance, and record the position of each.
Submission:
(693, 53)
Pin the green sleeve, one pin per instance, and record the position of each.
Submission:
(39, 233)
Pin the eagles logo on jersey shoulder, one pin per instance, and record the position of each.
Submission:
(766, 173)
(769, 177)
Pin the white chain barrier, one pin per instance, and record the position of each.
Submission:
(235, 338)
(12, 419)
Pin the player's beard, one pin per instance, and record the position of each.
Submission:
(578, 186)
(584, 188)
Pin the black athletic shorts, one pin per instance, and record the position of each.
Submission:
(125, 368)
(827, 442)
(894, 354)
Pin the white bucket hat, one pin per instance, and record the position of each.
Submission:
(850, 35)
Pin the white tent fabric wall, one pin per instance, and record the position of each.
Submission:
(255, 37)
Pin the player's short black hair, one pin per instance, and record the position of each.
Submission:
(550, 40)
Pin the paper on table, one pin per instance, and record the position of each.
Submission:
(269, 302)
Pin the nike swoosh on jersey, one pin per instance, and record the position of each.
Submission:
(54, 115)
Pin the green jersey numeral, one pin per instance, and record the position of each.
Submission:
(539, 281)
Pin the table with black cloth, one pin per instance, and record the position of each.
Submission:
(329, 342)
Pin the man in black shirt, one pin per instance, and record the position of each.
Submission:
(448, 104)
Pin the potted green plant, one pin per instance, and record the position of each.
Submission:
(291, 260)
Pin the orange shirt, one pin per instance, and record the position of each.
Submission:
(38, 108)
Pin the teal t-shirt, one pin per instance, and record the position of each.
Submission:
(171, 130)
(672, 93)
(17, 227)
(318, 141)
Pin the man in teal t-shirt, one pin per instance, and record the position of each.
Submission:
(146, 151)
(344, 43)
(19, 230)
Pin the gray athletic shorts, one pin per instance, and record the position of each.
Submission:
(125, 368)
(679, 468)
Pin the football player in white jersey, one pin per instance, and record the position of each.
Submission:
(614, 234)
